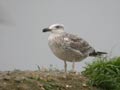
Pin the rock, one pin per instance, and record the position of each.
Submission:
(19, 79)
(68, 86)
(6, 78)
(84, 85)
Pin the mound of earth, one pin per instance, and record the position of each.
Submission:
(42, 80)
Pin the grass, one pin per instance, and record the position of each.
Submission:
(104, 73)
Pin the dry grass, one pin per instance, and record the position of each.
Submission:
(42, 80)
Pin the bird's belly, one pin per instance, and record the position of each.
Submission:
(66, 54)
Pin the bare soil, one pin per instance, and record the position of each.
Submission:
(42, 80)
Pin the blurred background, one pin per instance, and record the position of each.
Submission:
(23, 45)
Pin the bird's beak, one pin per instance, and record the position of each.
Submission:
(46, 30)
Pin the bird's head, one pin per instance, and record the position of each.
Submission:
(55, 28)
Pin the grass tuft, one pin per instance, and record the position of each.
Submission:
(104, 73)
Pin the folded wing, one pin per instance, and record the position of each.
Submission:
(76, 43)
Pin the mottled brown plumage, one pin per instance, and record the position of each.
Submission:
(68, 47)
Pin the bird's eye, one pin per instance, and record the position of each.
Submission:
(57, 26)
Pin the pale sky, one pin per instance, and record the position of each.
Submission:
(23, 45)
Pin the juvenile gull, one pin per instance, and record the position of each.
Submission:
(68, 47)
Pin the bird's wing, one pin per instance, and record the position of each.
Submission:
(76, 43)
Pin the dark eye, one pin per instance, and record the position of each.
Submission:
(57, 26)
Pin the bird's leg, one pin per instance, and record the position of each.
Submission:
(65, 66)
(73, 67)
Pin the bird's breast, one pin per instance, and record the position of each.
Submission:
(57, 47)
(54, 42)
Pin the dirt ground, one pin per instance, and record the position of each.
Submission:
(42, 80)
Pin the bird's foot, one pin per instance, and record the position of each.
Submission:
(73, 72)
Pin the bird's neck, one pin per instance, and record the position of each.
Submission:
(53, 36)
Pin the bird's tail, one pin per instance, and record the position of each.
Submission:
(97, 53)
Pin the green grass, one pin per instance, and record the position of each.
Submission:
(104, 73)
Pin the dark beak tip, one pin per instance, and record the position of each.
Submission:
(46, 30)
(43, 30)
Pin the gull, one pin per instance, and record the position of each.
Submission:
(69, 47)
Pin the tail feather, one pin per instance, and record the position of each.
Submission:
(97, 53)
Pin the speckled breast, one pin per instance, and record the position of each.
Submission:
(63, 53)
